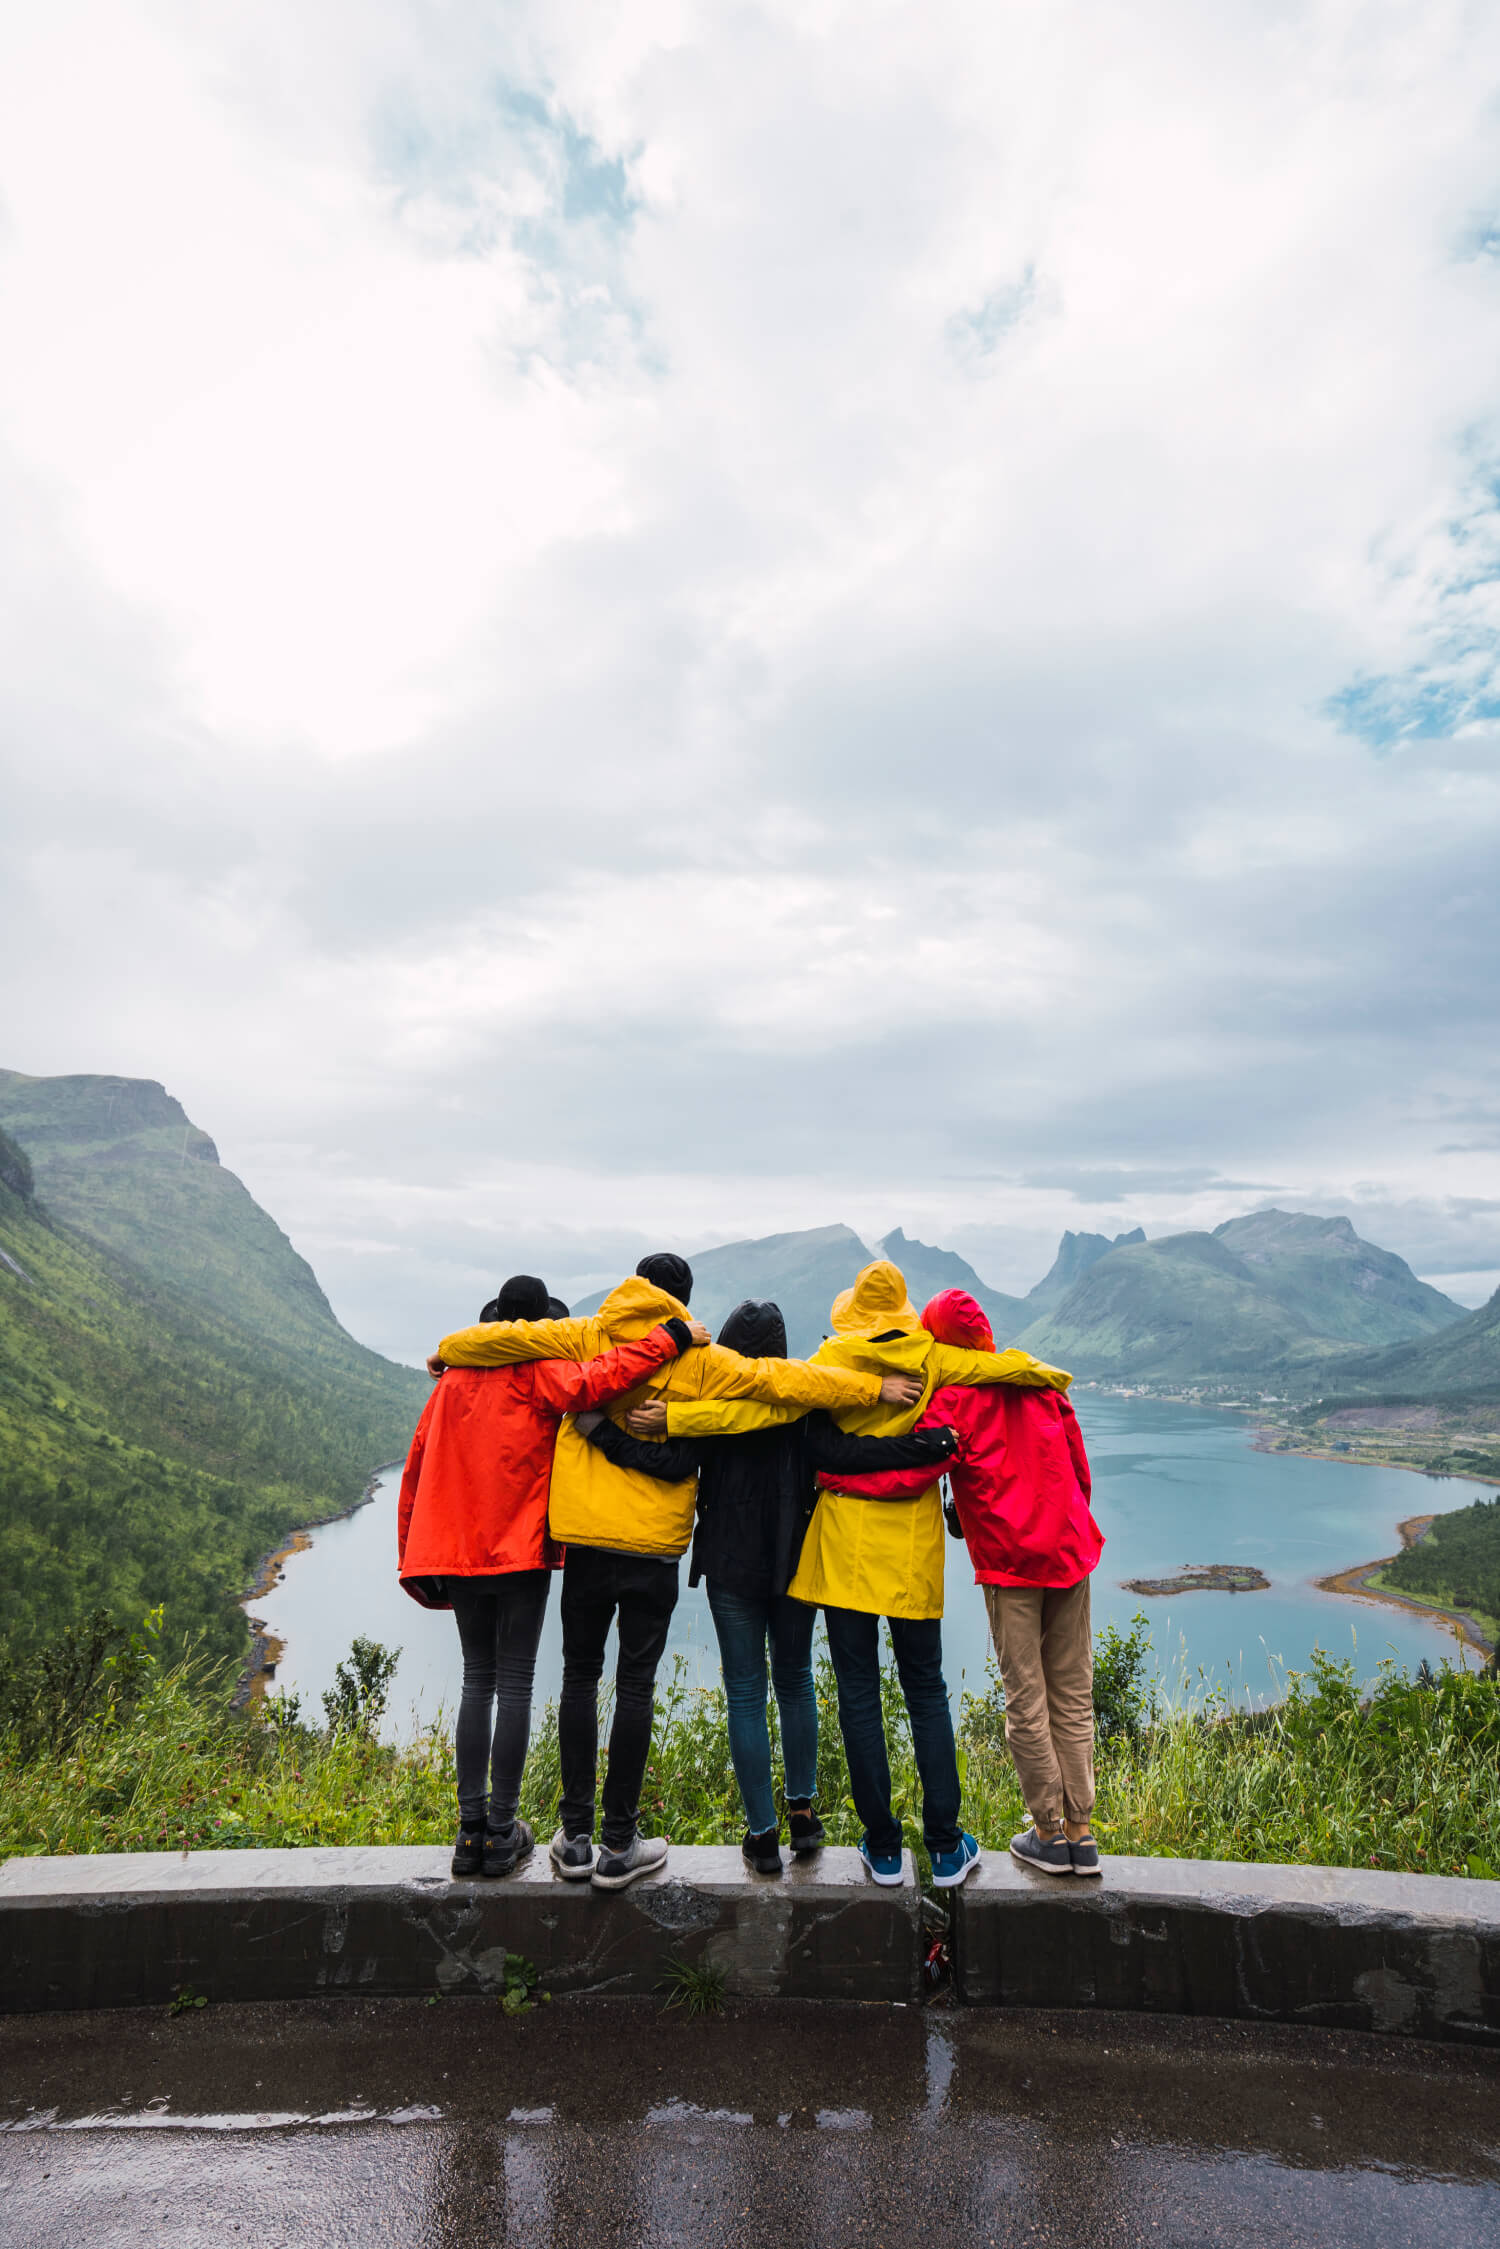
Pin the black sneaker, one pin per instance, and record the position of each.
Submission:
(762, 1853)
(504, 1853)
(468, 1851)
(807, 1833)
(1047, 1858)
(1085, 1856)
(572, 1856)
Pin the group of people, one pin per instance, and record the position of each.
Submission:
(603, 1446)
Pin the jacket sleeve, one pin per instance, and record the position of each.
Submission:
(562, 1387)
(673, 1461)
(973, 1367)
(725, 1417)
(1080, 1458)
(411, 1476)
(922, 1451)
(784, 1382)
(500, 1343)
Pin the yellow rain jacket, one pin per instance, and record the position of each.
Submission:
(594, 1503)
(883, 1556)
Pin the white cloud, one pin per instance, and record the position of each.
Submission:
(708, 620)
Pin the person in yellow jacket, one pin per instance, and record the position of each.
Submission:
(865, 1559)
(625, 1531)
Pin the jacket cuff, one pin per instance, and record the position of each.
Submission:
(678, 1331)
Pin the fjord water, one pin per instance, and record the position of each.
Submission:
(1172, 1484)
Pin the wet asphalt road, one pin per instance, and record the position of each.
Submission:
(594, 2123)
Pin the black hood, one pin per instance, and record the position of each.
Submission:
(756, 1329)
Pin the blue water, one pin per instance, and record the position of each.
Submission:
(1172, 1484)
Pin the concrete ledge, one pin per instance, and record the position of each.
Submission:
(1415, 1953)
(129, 1929)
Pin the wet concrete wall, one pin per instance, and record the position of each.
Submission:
(129, 1930)
(1357, 1951)
(1408, 1953)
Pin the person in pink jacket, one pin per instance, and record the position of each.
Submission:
(1021, 1486)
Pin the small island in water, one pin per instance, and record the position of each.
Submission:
(1204, 1577)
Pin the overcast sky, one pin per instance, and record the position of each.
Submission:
(653, 622)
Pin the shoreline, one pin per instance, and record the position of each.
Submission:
(1355, 1582)
(266, 1651)
(1268, 1430)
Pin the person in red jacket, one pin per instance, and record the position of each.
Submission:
(1021, 1487)
(471, 1535)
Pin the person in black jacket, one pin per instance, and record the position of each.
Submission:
(756, 1495)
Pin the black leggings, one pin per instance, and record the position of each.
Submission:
(499, 1623)
(600, 1586)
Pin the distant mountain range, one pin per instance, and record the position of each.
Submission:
(175, 1392)
(1276, 1295)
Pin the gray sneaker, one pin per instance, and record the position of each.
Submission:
(572, 1856)
(643, 1854)
(1085, 1856)
(1049, 1858)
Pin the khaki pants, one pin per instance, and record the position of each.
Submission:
(1046, 1656)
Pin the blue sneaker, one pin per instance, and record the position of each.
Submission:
(949, 1868)
(886, 1866)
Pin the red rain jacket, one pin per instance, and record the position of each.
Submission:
(1020, 1475)
(474, 1494)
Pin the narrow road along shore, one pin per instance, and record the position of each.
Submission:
(1356, 1581)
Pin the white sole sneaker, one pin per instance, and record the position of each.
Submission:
(952, 1881)
(560, 1866)
(646, 1855)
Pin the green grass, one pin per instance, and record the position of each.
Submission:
(1456, 1564)
(146, 1755)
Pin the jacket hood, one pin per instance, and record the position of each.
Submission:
(954, 1317)
(877, 1302)
(755, 1329)
(635, 1308)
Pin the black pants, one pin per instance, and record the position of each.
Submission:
(499, 1623)
(596, 1584)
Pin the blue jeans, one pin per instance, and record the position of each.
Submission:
(854, 1644)
(499, 1623)
(743, 1621)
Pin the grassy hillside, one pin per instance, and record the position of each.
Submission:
(1463, 1359)
(152, 1444)
(1076, 1253)
(1262, 1296)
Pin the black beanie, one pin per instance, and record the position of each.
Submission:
(522, 1297)
(666, 1271)
(756, 1329)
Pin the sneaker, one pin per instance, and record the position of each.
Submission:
(1085, 1856)
(504, 1853)
(643, 1854)
(1051, 1858)
(762, 1853)
(572, 1856)
(468, 1851)
(807, 1832)
(949, 1868)
(888, 1867)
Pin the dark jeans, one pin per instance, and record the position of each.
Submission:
(744, 1622)
(499, 1623)
(854, 1643)
(598, 1584)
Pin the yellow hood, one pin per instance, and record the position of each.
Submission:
(878, 1301)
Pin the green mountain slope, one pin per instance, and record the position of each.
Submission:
(1262, 1295)
(152, 1443)
(1336, 1284)
(1464, 1357)
(802, 1272)
(1076, 1253)
(929, 1271)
